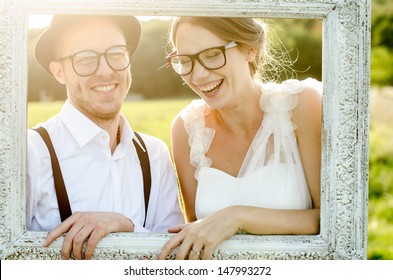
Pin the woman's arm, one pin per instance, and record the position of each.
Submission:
(185, 171)
(308, 118)
(206, 234)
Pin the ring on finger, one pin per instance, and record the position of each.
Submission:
(196, 252)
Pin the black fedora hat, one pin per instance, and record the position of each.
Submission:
(44, 48)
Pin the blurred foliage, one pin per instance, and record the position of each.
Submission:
(151, 76)
(381, 66)
(380, 161)
(382, 42)
(301, 39)
(41, 85)
(380, 207)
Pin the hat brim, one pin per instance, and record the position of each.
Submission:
(44, 48)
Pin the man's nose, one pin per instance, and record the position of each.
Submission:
(103, 66)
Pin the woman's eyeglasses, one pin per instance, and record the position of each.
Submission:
(86, 63)
(211, 59)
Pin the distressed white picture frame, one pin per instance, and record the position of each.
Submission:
(344, 176)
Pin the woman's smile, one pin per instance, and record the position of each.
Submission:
(210, 89)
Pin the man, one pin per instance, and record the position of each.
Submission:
(94, 143)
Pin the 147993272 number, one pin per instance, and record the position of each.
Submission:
(244, 270)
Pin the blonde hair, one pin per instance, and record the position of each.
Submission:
(247, 33)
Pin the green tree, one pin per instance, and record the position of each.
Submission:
(151, 76)
(382, 43)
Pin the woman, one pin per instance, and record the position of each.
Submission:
(247, 153)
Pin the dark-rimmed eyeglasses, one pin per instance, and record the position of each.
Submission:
(211, 59)
(86, 63)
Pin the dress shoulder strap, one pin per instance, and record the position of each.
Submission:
(199, 136)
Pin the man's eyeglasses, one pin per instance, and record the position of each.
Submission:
(211, 59)
(86, 63)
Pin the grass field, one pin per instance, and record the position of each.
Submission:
(154, 117)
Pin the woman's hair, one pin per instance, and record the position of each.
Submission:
(247, 33)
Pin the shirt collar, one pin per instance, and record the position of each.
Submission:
(127, 134)
(84, 130)
(81, 127)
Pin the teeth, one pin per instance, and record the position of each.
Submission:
(210, 87)
(106, 88)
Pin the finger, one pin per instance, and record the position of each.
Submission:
(185, 247)
(68, 242)
(186, 243)
(170, 245)
(58, 231)
(177, 228)
(196, 249)
(92, 242)
(195, 254)
(207, 253)
(66, 247)
(79, 239)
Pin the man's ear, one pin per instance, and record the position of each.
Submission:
(57, 71)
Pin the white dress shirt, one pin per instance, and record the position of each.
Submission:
(96, 179)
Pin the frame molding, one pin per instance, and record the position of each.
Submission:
(344, 176)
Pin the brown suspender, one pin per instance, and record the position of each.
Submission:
(145, 165)
(61, 192)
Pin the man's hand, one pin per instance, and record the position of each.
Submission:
(87, 227)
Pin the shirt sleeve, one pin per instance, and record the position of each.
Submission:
(39, 177)
(33, 167)
(139, 228)
(164, 209)
(42, 212)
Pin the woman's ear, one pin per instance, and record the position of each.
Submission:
(250, 54)
(57, 71)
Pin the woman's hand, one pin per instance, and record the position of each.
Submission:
(198, 240)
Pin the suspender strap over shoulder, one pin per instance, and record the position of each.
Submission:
(61, 192)
(145, 165)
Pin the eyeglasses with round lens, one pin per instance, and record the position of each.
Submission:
(211, 59)
(86, 63)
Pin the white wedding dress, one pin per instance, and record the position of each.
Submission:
(271, 175)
